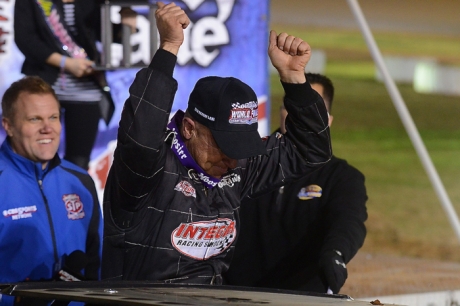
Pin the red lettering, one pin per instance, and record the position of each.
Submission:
(203, 231)
(190, 231)
(230, 229)
(211, 232)
(221, 231)
(179, 231)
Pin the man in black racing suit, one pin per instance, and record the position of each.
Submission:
(173, 192)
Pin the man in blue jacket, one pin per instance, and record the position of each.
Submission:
(51, 213)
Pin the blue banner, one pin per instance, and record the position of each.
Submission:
(225, 38)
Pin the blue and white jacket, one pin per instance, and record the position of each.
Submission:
(47, 214)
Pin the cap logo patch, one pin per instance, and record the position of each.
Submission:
(186, 188)
(74, 206)
(204, 115)
(205, 239)
(20, 212)
(246, 113)
(310, 192)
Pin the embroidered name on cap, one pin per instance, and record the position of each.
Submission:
(246, 113)
(204, 115)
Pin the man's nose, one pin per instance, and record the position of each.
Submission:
(46, 127)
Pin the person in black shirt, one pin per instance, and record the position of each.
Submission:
(301, 236)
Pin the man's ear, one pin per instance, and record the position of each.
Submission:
(188, 128)
(7, 126)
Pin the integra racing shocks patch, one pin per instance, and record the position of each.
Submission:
(204, 239)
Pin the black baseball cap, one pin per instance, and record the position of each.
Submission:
(229, 108)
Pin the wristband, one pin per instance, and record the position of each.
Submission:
(62, 65)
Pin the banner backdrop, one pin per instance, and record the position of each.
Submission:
(225, 38)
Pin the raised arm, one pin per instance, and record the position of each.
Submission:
(140, 148)
(307, 122)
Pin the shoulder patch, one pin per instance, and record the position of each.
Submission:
(74, 206)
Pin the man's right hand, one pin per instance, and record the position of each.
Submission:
(171, 22)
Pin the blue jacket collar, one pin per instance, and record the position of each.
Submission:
(24, 165)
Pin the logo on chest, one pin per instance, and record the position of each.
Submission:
(186, 188)
(310, 192)
(20, 212)
(205, 239)
(74, 206)
(229, 180)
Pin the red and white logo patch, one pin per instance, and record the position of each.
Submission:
(186, 188)
(74, 206)
(205, 239)
(246, 113)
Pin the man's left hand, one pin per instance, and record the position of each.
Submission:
(289, 55)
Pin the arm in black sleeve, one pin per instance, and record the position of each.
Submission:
(346, 214)
(307, 123)
(305, 148)
(28, 33)
(140, 147)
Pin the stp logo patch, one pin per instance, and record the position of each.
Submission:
(204, 239)
(74, 206)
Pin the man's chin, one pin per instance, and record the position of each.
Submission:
(46, 158)
(218, 174)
